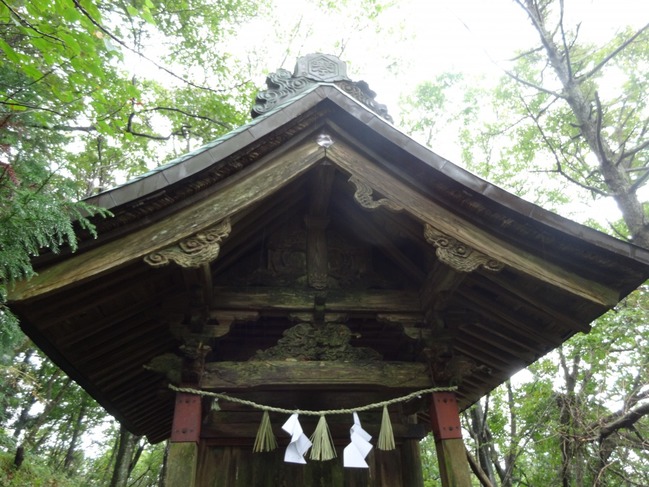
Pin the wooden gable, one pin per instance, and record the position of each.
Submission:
(315, 257)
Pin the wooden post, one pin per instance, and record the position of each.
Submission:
(182, 462)
(451, 454)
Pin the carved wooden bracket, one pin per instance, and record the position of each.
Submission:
(363, 196)
(201, 248)
(458, 255)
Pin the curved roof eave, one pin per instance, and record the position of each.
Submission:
(196, 161)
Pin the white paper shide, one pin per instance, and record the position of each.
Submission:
(355, 453)
(299, 444)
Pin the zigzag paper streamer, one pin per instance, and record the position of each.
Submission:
(355, 453)
(299, 444)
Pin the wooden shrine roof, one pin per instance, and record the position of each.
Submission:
(427, 266)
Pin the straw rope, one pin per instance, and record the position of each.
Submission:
(307, 412)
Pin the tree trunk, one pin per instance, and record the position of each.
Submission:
(484, 441)
(588, 114)
(162, 479)
(124, 458)
(38, 421)
(77, 430)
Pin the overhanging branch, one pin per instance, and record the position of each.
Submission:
(625, 420)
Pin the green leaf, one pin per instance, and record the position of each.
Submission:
(70, 42)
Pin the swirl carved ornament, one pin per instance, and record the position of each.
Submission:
(363, 197)
(458, 255)
(201, 248)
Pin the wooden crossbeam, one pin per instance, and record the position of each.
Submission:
(291, 299)
(232, 376)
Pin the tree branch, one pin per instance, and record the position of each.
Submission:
(559, 165)
(625, 420)
(135, 51)
(477, 470)
(29, 25)
(515, 77)
(566, 49)
(192, 115)
(601, 64)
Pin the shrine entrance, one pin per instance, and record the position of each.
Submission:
(314, 269)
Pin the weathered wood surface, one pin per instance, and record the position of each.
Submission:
(427, 211)
(182, 464)
(268, 299)
(453, 463)
(293, 374)
(238, 193)
(240, 467)
(241, 429)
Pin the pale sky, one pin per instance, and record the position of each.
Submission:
(419, 39)
(413, 40)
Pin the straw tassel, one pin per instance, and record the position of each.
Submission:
(323, 446)
(265, 440)
(386, 436)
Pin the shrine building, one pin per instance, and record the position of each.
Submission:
(315, 259)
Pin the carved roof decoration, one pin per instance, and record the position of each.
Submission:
(355, 270)
(311, 70)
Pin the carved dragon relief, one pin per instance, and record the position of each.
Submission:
(306, 341)
(201, 248)
(458, 255)
(363, 197)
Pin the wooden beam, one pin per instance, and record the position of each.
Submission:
(442, 219)
(316, 222)
(535, 300)
(290, 299)
(437, 289)
(240, 191)
(226, 428)
(363, 227)
(326, 374)
(321, 185)
(503, 315)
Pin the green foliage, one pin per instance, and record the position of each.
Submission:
(34, 473)
(556, 131)
(81, 109)
(495, 143)
(565, 400)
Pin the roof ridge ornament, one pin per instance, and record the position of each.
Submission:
(311, 70)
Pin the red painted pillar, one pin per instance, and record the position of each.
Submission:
(182, 462)
(447, 431)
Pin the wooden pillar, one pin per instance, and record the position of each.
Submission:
(451, 453)
(182, 462)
